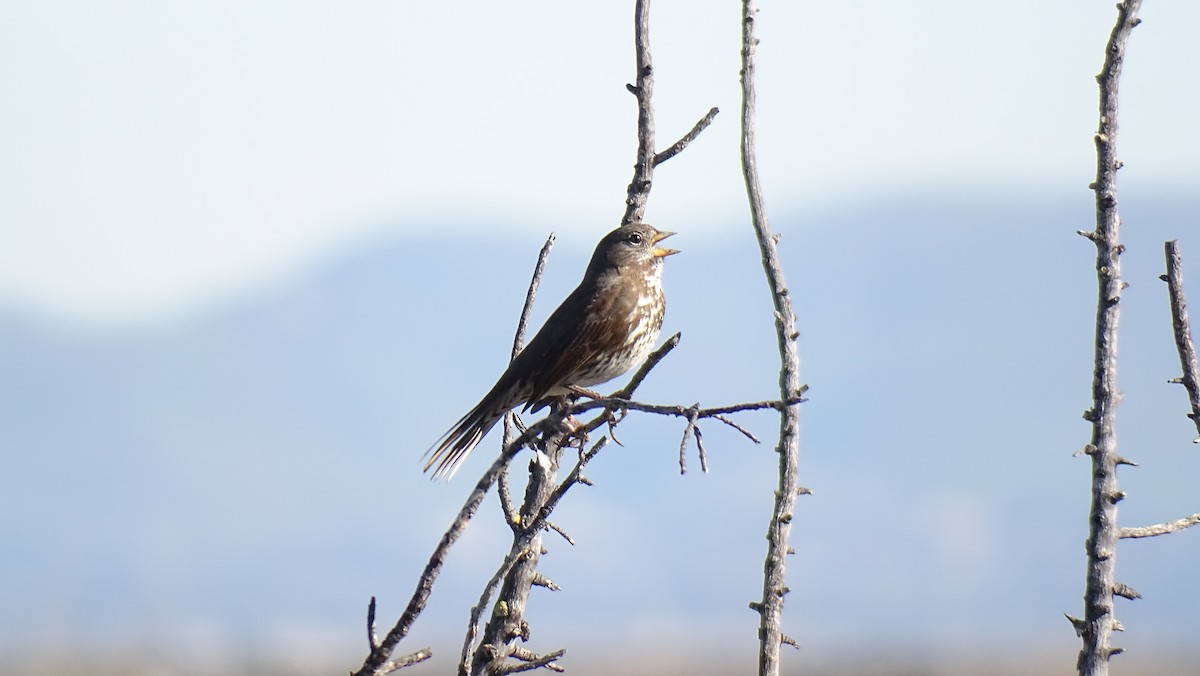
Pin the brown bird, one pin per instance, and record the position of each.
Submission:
(608, 325)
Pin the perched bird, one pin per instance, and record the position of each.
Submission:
(608, 325)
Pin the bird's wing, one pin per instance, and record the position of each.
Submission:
(572, 338)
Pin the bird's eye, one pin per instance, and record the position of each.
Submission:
(634, 238)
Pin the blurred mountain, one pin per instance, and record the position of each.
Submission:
(240, 482)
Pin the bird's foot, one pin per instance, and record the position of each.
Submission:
(612, 418)
(584, 392)
(575, 431)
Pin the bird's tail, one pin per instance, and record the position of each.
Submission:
(448, 454)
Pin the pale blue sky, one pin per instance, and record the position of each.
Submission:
(160, 155)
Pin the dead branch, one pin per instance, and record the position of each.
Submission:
(643, 168)
(376, 663)
(770, 608)
(1160, 528)
(643, 88)
(1183, 332)
(682, 143)
(1099, 620)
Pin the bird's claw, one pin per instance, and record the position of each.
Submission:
(612, 419)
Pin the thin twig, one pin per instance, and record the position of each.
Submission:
(651, 361)
(538, 269)
(406, 661)
(701, 450)
(1183, 331)
(682, 143)
(679, 410)
(531, 661)
(687, 434)
(372, 638)
(575, 476)
(1101, 546)
(541, 580)
(1160, 528)
(506, 503)
(770, 608)
(511, 421)
(737, 427)
(550, 525)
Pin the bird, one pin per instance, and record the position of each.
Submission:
(604, 328)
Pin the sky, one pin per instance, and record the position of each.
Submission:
(158, 157)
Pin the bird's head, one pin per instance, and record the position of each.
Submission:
(635, 244)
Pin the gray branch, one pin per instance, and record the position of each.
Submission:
(643, 168)
(1160, 528)
(770, 608)
(1183, 331)
(1099, 620)
(687, 138)
(643, 88)
(376, 663)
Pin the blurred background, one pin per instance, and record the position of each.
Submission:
(256, 257)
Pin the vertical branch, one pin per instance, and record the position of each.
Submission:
(770, 608)
(643, 168)
(1183, 331)
(1099, 621)
(511, 422)
(507, 625)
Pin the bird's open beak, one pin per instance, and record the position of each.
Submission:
(658, 252)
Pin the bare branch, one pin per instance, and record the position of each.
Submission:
(511, 420)
(737, 427)
(651, 361)
(687, 433)
(532, 661)
(687, 138)
(574, 477)
(506, 624)
(505, 496)
(678, 410)
(485, 598)
(538, 269)
(700, 449)
(375, 662)
(1126, 592)
(692, 413)
(770, 609)
(372, 638)
(541, 580)
(406, 661)
(1103, 533)
(1183, 331)
(643, 168)
(550, 525)
(1160, 528)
